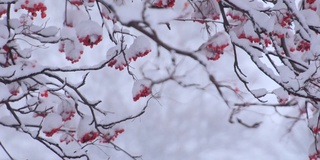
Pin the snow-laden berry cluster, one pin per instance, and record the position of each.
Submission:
(32, 6)
(120, 57)
(141, 88)
(79, 31)
(215, 46)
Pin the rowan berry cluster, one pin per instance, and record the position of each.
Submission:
(237, 16)
(53, 131)
(119, 66)
(74, 60)
(314, 156)
(167, 4)
(89, 137)
(107, 138)
(316, 130)
(34, 8)
(67, 138)
(76, 2)
(282, 100)
(2, 12)
(285, 19)
(303, 46)
(14, 92)
(80, 2)
(142, 93)
(45, 93)
(90, 40)
(250, 38)
(217, 50)
(140, 54)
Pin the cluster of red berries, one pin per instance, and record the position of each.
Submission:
(286, 19)
(279, 35)
(35, 8)
(45, 93)
(107, 138)
(267, 42)
(87, 40)
(110, 16)
(237, 17)
(14, 92)
(250, 38)
(303, 46)
(143, 93)
(169, 4)
(66, 138)
(13, 55)
(217, 50)
(73, 60)
(112, 62)
(89, 137)
(80, 2)
(310, 1)
(202, 20)
(5, 48)
(140, 54)
(292, 49)
(61, 46)
(2, 12)
(214, 58)
(67, 115)
(14, 88)
(310, 4)
(40, 114)
(120, 67)
(316, 130)
(76, 2)
(69, 58)
(53, 131)
(282, 100)
(314, 156)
